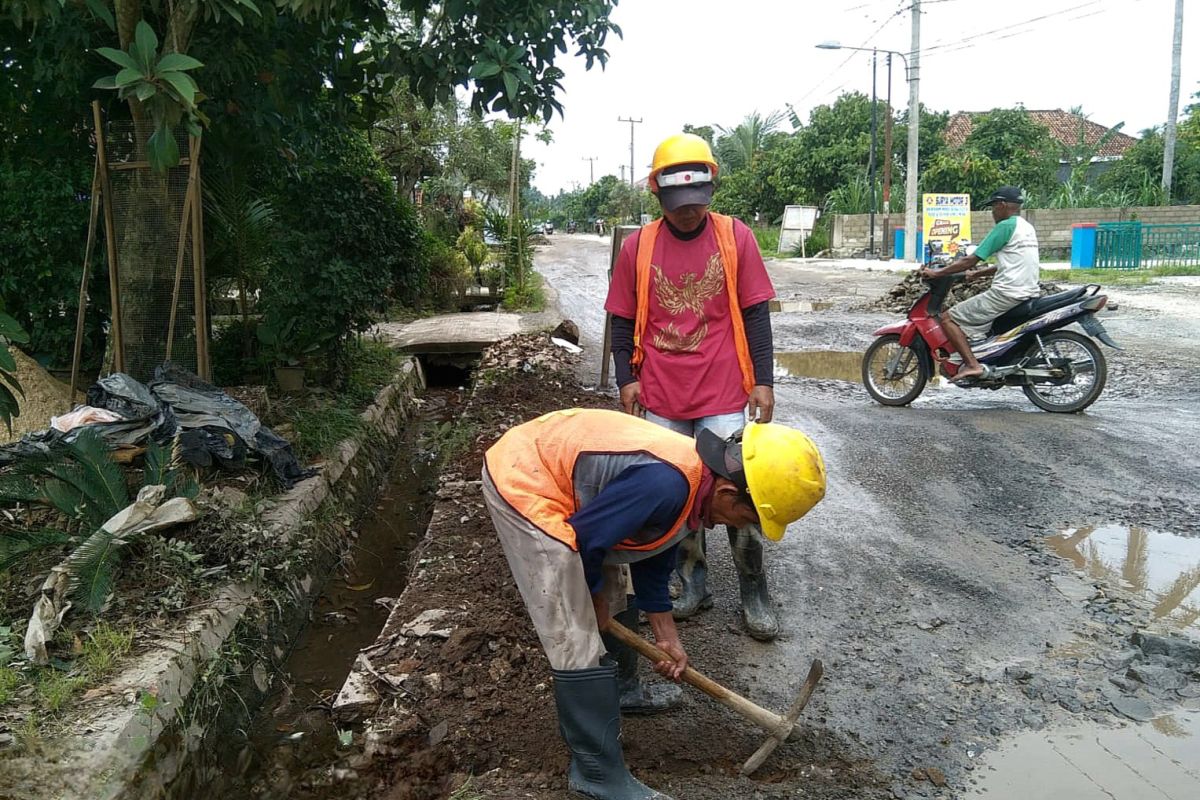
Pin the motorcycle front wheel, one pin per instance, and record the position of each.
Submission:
(893, 374)
(1086, 372)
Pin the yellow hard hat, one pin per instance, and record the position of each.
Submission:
(682, 148)
(784, 473)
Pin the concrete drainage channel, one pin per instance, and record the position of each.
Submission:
(241, 690)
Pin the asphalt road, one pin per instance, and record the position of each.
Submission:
(950, 630)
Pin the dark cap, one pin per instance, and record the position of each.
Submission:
(693, 186)
(1005, 194)
(722, 456)
(674, 197)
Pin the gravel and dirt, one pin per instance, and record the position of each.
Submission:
(926, 580)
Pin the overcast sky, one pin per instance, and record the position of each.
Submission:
(706, 62)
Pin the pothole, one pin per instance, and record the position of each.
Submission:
(799, 306)
(1161, 567)
(827, 364)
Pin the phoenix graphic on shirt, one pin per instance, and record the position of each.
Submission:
(689, 295)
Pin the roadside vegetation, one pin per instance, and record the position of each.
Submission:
(1117, 277)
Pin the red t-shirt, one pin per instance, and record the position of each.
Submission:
(691, 367)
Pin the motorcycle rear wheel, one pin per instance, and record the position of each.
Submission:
(1089, 372)
(902, 388)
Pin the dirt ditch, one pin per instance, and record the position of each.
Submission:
(466, 690)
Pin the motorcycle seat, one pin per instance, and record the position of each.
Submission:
(1034, 306)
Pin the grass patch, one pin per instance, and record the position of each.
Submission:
(767, 238)
(55, 687)
(319, 430)
(1116, 277)
(9, 680)
(532, 297)
(468, 792)
(372, 365)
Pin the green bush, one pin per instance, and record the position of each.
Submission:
(349, 244)
(449, 273)
(43, 233)
(767, 238)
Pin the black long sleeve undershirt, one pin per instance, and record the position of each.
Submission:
(757, 320)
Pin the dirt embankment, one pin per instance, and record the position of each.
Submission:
(467, 688)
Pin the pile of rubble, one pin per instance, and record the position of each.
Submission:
(901, 296)
(528, 351)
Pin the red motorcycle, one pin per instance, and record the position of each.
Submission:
(1059, 370)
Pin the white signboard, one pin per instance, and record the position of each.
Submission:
(798, 222)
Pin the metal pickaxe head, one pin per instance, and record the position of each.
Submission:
(779, 727)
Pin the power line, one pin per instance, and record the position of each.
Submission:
(967, 43)
(850, 57)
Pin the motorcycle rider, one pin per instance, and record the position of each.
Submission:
(1014, 243)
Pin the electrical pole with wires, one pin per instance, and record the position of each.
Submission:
(1173, 110)
(914, 122)
(631, 122)
(591, 168)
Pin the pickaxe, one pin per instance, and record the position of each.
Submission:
(779, 727)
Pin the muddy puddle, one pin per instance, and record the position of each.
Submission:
(1161, 567)
(821, 364)
(799, 306)
(1135, 762)
(294, 732)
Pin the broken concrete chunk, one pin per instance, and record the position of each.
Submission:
(1157, 677)
(1132, 707)
(426, 624)
(1174, 646)
(356, 696)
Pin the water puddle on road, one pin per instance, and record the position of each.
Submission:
(1161, 567)
(828, 364)
(1096, 763)
(799, 306)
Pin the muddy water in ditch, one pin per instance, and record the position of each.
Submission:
(293, 732)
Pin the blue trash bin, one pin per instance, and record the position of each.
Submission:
(1083, 245)
(898, 244)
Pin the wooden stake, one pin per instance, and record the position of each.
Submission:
(110, 236)
(83, 282)
(184, 221)
(199, 278)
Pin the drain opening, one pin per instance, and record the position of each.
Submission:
(448, 370)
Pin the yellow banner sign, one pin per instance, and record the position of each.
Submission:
(947, 222)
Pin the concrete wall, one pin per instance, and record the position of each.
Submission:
(850, 232)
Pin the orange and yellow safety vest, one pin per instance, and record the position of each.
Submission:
(548, 467)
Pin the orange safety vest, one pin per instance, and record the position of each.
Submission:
(534, 466)
(727, 247)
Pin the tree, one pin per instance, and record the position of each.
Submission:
(1023, 149)
(961, 170)
(738, 147)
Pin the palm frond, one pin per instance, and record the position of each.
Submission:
(17, 544)
(69, 501)
(158, 466)
(18, 487)
(99, 477)
(90, 569)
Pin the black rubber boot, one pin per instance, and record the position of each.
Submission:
(637, 696)
(590, 723)
(757, 609)
(692, 568)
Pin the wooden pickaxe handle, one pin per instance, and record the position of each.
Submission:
(769, 721)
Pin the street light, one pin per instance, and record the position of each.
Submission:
(910, 199)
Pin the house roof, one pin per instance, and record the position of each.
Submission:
(1063, 126)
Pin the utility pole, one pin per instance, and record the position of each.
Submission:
(1173, 111)
(514, 195)
(887, 167)
(914, 122)
(871, 159)
(591, 168)
(631, 122)
(622, 173)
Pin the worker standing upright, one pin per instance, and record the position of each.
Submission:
(577, 495)
(691, 341)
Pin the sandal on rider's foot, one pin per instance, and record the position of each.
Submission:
(984, 372)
